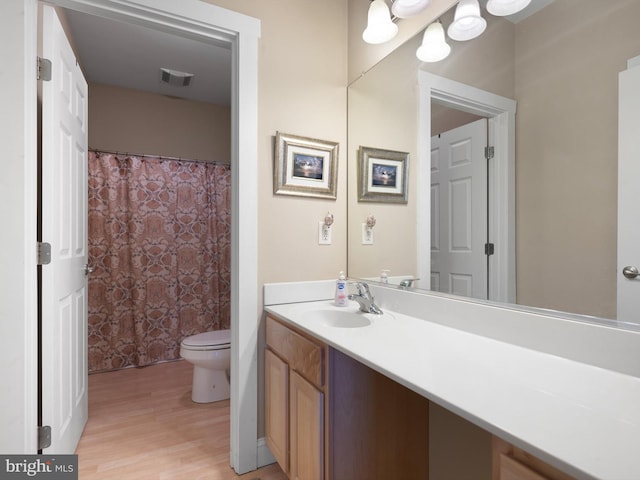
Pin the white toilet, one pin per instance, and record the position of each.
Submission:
(210, 353)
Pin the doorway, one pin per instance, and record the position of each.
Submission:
(214, 24)
(500, 112)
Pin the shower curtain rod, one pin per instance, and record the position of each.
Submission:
(162, 157)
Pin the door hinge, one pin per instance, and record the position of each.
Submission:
(489, 152)
(44, 437)
(44, 253)
(489, 248)
(44, 69)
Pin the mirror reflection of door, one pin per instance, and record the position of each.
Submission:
(459, 207)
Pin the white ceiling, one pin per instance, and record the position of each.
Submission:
(125, 55)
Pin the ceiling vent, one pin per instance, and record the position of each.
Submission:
(176, 78)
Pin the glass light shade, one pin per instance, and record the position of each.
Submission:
(434, 47)
(502, 8)
(408, 8)
(380, 28)
(467, 22)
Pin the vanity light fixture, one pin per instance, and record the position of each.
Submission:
(502, 8)
(380, 27)
(408, 8)
(434, 47)
(467, 21)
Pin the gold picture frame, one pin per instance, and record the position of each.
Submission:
(305, 167)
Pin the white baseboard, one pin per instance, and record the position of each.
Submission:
(265, 457)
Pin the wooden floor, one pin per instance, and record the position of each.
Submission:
(143, 425)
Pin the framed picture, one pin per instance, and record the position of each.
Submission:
(382, 175)
(305, 167)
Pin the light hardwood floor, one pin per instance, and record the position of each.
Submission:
(143, 425)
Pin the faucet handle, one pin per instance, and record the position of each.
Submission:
(363, 288)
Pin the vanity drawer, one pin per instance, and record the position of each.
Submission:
(302, 355)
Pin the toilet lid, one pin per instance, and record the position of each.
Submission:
(209, 339)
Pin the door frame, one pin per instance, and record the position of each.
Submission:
(500, 112)
(196, 19)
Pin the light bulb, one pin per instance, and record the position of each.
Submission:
(502, 8)
(408, 8)
(380, 28)
(434, 47)
(467, 22)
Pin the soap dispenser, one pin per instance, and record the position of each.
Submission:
(342, 295)
(384, 276)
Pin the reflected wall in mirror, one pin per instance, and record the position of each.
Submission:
(561, 66)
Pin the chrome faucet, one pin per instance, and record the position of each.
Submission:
(408, 282)
(365, 299)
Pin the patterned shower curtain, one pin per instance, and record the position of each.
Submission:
(160, 242)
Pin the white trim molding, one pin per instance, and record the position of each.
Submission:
(18, 281)
(265, 457)
(193, 18)
(500, 112)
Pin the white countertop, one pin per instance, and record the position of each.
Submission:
(580, 418)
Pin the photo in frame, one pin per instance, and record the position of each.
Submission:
(382, 175)
(305, 167)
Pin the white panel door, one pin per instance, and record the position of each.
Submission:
(64, 226)
(459, 211)
(628, 194)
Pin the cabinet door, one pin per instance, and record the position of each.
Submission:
(306, 430)
(277, 408)
(513, 463)
(511, 469)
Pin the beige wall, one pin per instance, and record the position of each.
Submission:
(567, 92)
(133, 121)
(302, 78)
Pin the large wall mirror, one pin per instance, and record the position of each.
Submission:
(547, 206)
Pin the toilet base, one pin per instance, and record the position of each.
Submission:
(209, 385)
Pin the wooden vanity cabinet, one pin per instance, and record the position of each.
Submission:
(306, 429)
(294, 401)
(330, 417)
(513, 463)
(277, 408)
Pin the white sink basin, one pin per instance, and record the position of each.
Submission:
(339, 318)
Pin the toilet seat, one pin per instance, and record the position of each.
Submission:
(215, 340)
